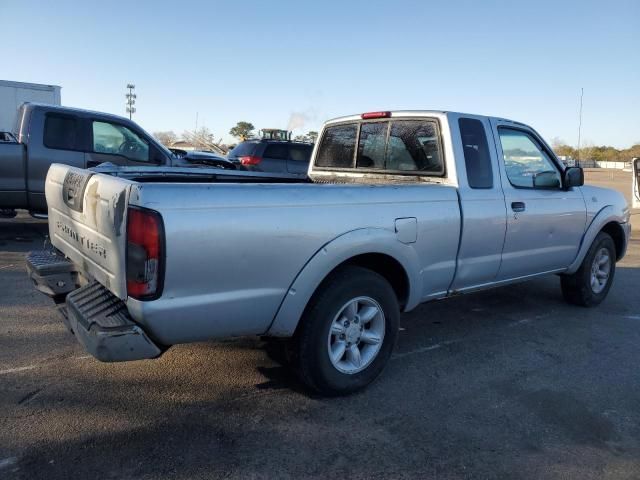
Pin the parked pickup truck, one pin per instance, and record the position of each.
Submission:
(49, 134)
(401, 208)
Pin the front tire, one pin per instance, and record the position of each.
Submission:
(590, 284)
(347, 332)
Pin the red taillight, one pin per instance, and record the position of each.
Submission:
(250, 160)
(370, 115)
(145, 238)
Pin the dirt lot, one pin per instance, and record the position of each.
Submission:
(511, 383)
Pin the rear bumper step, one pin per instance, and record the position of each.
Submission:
(51, 273)
(99, 319)
(103, 326)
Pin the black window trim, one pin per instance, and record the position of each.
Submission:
(486, 138)
(413, 173)
(91, 146)
(77, 119)
(542, 145)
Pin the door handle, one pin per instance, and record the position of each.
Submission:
(518, 206)
(93, 163)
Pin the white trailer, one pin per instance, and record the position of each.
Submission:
(14, 94)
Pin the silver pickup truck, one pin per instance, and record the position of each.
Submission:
(401, 208)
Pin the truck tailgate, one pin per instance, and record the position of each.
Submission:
(87, 222)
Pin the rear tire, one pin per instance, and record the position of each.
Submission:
(590, 284)
(354, 309)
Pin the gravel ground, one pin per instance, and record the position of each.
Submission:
(510, 383)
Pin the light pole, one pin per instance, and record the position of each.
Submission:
(131, 99)
(580, 125)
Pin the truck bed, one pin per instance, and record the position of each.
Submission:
(195, 175)
(236, 245)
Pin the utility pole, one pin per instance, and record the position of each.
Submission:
(580, 125)
(131, 99)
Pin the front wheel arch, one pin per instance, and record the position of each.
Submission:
(616, 232)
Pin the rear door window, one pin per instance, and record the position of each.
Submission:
(300, 153)
(62, 132)
(337, 147)
(278, 151)
(476, 153)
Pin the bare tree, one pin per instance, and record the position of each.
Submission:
(202, 139)
(167, 138)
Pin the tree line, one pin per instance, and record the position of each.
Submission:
(602, 153)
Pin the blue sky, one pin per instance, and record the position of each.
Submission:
(266, 61)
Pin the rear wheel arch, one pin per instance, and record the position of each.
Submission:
(385, 266)
(374, 249)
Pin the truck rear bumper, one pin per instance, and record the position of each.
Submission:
(99, 319)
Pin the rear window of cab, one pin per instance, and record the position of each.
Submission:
(408, 146)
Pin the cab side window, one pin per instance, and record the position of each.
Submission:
(62, 132)
(119, 140)
(525, 160)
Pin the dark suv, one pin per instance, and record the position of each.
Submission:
(275, 156)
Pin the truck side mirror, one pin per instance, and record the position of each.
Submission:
(548, 179)
(573, 177)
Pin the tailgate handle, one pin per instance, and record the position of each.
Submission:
(73, 189)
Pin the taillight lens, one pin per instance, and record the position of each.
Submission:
(250, 160)
(145, 253)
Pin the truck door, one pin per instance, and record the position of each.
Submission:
(53, 138)
(116, 143)
(481, 202)
(545, 223)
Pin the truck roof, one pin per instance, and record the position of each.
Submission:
(48, 106)
(411, 113)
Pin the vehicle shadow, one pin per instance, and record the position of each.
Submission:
(22, 234)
